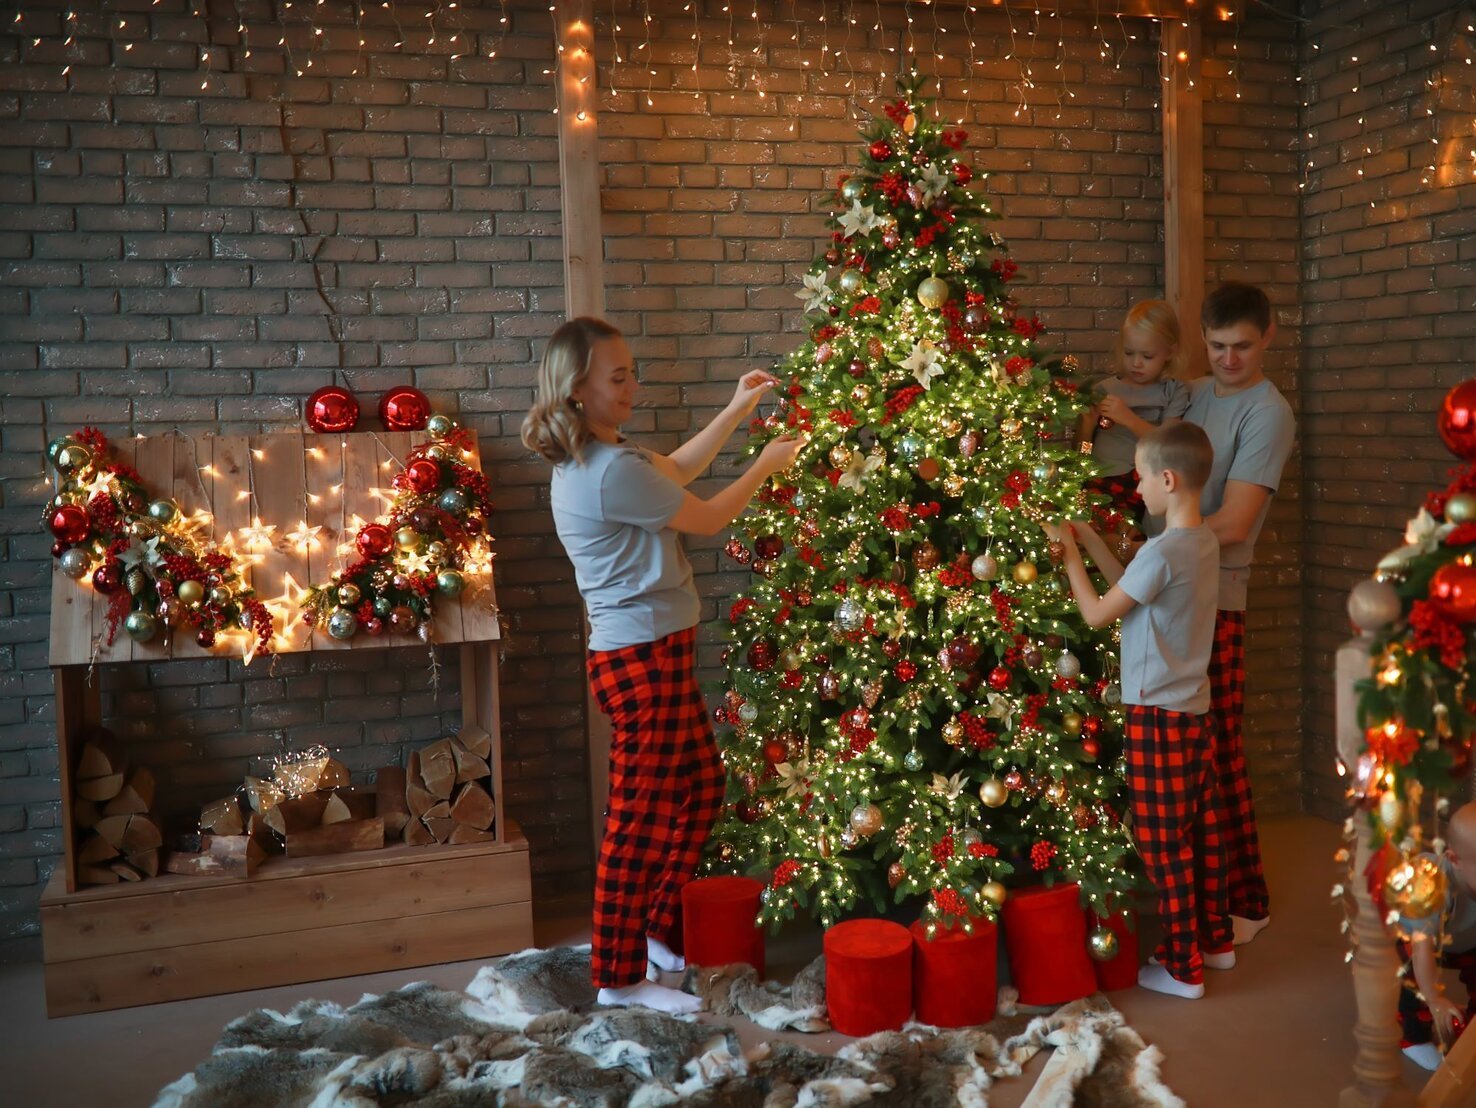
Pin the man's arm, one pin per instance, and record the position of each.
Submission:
(1238, 512)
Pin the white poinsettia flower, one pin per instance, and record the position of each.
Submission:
(794, 777)
(815, 293)
(862, 466)
(1001, 708)
(922, 363)
(934, 182)
(136, 554)
(858, 220)
(1421, 535)
(153, 555)
(950, 787)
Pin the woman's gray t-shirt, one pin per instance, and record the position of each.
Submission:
(611, 512)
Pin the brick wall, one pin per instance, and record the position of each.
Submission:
(1389, 272)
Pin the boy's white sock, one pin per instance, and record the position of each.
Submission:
(662, 957)
(647, 995)
(1425, 1055)
(1160, 980)
(1247, 929)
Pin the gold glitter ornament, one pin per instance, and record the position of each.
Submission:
(840, 455)
(1102, 944)
(953, 485)
(1415, 888)
(1011, 428)
(866, 820)
(993, 893)
(1025, 572)
(953, 732)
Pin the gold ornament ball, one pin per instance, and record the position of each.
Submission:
(1025, 572)
(953, 733)
(866, 820)
(861, 394)
(1056, 792)
(933, 292)
(1102, 944)
(1011, 428)
(993, 793)
(895, 874)
(725, 852)
(840, 455)
(925, 556)
(790, 659)
(994, 893)
(953, 485)
(1461, 508)
(1416, 888)
(407, 538)
(1071, 723)
(191, 592)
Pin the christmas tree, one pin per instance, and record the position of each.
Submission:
(915, 708)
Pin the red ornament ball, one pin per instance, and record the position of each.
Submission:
(332, 410)
(68, 523)
(1457, 420)
(768, 547)
(880, 151)
(776, 751)
(1453, 591)
(106, 579)
(1091, 727)
(1091, 748)
(762, 655)
(999, 679)
(857, 368)
(373, 625)
(374, 540)
(423, 476)
(404, 409)
(747, 811)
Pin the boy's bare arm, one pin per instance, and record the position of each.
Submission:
(1097, 549)
(1427, 975)
(1095, 609)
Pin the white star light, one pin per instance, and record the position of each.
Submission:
(100, 483)
(258, 534)
(304, 538)
(815, 293)
(923, 363)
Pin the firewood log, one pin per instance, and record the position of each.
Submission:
(222, 817)
(100, 789)
(473, 807)
(96, 875)
(461, 833)
(94, 849)
(130, 834)
(439, 810)
(418, 834)
(238, 855)
(263, 795)
(337, 838)
(348, 804)
(137, 795)
(469, 767)
(440, 828)
(146, 862)
(438, 769)
(389, 796)
(296, 813)
(125, 871)
(85, 813)
(418, 800)
(100, 756)
(476, 740)
(335, 774)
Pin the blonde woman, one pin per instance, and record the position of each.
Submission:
(620, 511)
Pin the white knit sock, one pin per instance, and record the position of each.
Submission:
(1247, 929)
(663, 957)
(1160, 980)
(647, 995)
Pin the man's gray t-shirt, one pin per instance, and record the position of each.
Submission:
(1457, 916)
(611, 512)
(1167, 638)
(1164, 399)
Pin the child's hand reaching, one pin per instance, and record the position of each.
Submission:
(1447, 1015)
(1114, 408)
(1064, 534)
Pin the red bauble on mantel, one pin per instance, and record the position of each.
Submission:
(404, 409)
(332, 410)
(1457, 420)
(1453, 591)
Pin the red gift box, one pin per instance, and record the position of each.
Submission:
(868, 976)
(1046, 938)
(718, 927)
(1121, 971)
(953, 974)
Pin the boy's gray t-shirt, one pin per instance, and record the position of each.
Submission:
(1457, 916)
(611, 512)
(1164, 399)
(1167, 638)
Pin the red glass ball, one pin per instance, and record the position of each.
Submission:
(880, 151)
(1457, 420)
(1091, 748)
(747, 811)
(1453, 591)
(423, 475)
(768, 546)
(762, 655)
(999, 678)
(374, 540)
(373, 625)
(106, 579)
(776, 751)
(205, 637)
(331, 410)
(68, 523)
(404, 409)
(1091, 727)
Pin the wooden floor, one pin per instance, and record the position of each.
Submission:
(1274, 1032)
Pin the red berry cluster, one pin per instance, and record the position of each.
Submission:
(943, 850)
(786, 872)
(1041, 854)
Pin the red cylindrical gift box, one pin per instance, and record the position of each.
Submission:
(953, 974)
(718, 927)
(1121, 971)
(1046, 938)
(868, 976)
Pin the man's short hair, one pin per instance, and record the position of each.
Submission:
(1234, 303)
(1181, 447)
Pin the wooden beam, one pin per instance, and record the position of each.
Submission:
(1228, 11)
(1183, 186)
(579, 168)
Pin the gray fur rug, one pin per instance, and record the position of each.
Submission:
(527, 1031)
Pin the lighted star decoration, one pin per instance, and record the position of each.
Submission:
(934, 182)
(287, 606)
(949, 787)
(815, 293)
(304, 537)
(858, 220)
(415, 562)
(101, 483)
(923, 362)
(258, 535)
(351, 530)
(862, 466)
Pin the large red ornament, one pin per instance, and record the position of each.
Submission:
(880, 151)
(762, 655)
(404, 409)
(1457, 420)
(999, 679)
(68, 523)
(1453, 591)
(1091, 748)
(768, 546)
(423, 475)
(106, 578)
(776, 751)
(332, 410)
(374, 540)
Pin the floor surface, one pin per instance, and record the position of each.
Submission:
(1275, 1031)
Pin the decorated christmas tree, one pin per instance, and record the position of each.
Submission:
(914, 707)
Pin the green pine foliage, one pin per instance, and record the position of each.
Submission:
(908, 640)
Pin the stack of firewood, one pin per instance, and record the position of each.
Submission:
(448, 791)
(112, 806)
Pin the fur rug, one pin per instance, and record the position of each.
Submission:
(528, 1032)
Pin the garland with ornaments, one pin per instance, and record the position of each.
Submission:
(150, 560)
(433, 536)
(1416, 711)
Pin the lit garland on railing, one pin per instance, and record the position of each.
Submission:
(432, 539)
(147, 557)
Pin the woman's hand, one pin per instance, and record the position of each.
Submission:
(751, 387)
(780, 453)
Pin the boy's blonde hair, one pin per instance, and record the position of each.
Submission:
(1181, 447)
(1157, 318)
(555, 427)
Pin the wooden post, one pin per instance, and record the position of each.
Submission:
(1183, 186)
(1378, 1066)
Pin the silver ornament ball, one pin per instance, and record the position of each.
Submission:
(1373, 605)
(1102, 944)
(850, 616)
(342, 624)
(984, 568)
(1068, 665)
(74, 563)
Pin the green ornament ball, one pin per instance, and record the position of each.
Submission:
(56, 446)
(163, 511)
(439, 426)
(141, 626)
(450, 583)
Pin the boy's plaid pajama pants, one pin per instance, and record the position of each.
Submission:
(666, 789)
(1176, 822)
(1248, 895)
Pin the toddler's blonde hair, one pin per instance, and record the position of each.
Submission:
(1157, 318)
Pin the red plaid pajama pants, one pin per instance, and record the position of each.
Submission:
(666, 789)
(1121, 491)
(1176, 823)
(1248, 895)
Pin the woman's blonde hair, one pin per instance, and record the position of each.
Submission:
(555, 427)
(1158, 319)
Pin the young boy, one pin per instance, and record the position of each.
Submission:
(1456, 920)
(1166, 600)
(1251, 428)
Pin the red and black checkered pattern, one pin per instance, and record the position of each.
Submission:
(1176, 823)
(666, 789)
(1416, 1024)
(1248, 895)
(1121, 490)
